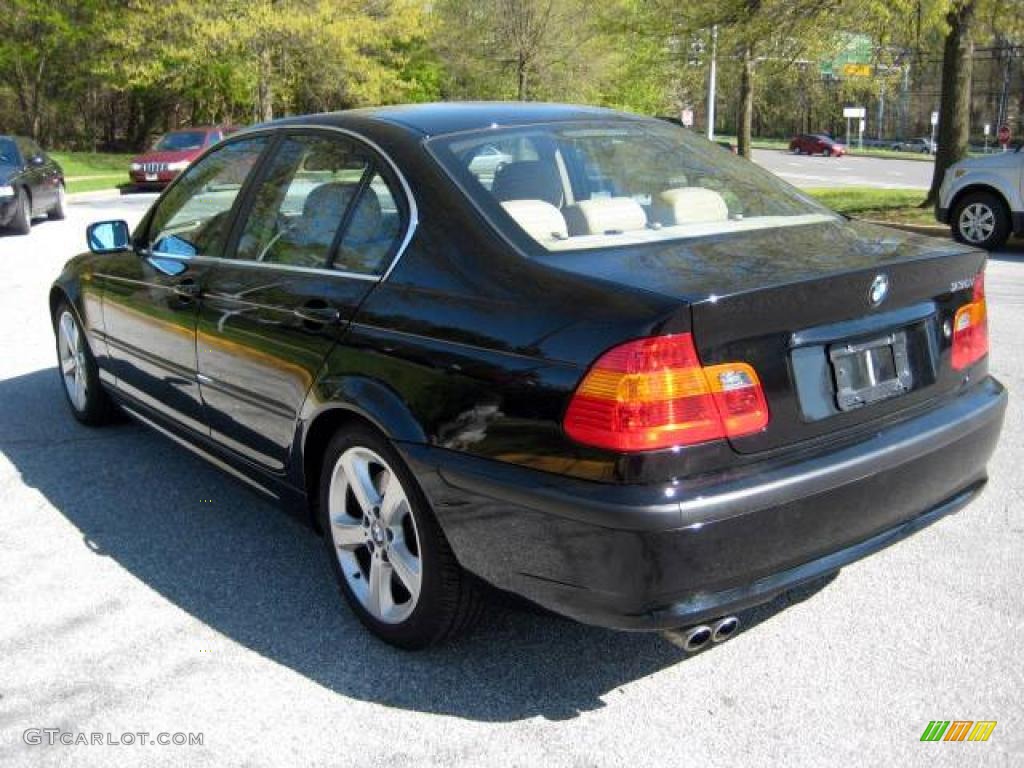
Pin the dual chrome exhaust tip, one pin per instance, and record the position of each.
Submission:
(696, 638)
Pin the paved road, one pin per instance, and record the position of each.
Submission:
(805, 171)
(130, 604)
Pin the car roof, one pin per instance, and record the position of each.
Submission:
(456, 117)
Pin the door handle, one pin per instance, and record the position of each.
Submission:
(317, 315)
(187, 289)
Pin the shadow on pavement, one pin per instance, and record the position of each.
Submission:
(1012, 251)
(218, 551)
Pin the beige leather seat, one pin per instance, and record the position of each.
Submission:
(539, 219)
(605, 215)
(690, 205)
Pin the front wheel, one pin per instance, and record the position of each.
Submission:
(392, 562)
(78, 370)
(981, 219)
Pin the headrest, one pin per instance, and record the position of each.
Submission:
(602, 215)
(541, 221)
(327, 203)
(528, 180)
(690, 205)
(366, 222)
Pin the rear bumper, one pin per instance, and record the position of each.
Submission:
(649, 557)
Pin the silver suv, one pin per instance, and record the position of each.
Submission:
(982, 199)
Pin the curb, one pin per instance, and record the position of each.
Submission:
(98, 194)
(933, 230)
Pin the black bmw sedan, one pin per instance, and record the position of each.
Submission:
(622, 373)
(31, 184)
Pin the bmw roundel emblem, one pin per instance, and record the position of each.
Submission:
(879, 290)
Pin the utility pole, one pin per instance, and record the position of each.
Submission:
(711, 84)
(881, 109)
(905, 96)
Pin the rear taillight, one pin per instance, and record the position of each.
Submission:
(653, 393)
(970, 328)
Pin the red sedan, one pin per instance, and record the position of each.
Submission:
(816, 144)
(173, 153)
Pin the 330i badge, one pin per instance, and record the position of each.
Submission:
(575, 354)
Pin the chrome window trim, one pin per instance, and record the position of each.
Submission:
(216, 261)
(411, 225)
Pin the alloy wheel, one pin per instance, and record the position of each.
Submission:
(72, 360)
(977, 222)
(374, 535)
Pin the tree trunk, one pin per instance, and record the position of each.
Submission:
(746, 114)
(955, 103)
(265, 92)
(521, 77)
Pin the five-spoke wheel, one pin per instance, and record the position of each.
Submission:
(392, 561)
(78, 370)
(71, 352)
(375, 536)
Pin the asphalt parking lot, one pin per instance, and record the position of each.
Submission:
(142, 590)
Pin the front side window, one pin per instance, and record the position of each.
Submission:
(572, 186)
(193, 218)
(322, 203)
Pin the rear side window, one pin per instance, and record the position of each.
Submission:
(372, 231)
(322, 203)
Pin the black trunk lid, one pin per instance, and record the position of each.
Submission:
(796, 304)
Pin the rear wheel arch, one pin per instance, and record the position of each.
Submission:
(391, 420)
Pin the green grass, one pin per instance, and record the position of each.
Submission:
(89, 171)
(895, 205)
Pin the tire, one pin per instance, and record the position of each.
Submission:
(436, 600)
(981, 219)
(21, 224)
(59, 209)
(79, 374)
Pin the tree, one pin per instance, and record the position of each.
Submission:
(39, 41)
(522, 49)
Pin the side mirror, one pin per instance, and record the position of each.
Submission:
(108, 236)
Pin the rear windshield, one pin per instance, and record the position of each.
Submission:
(181, 140)
(570, 186)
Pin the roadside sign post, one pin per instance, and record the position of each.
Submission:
(851, 113)
(935, 122)
(988, 130)
(1004, 135)
(860, 134)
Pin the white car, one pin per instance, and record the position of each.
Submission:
(982, 199)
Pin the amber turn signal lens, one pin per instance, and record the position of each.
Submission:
(653, 393)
